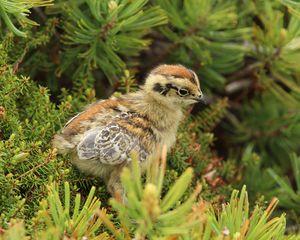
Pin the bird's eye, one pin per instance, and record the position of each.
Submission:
(183, 92)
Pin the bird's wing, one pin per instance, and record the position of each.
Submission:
(111, 144)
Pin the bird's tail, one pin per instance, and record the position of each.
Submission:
(61, 144)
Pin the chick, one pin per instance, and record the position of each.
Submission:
(102, 137)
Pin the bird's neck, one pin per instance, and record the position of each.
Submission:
(163, 114)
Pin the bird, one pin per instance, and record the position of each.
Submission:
(102, 137)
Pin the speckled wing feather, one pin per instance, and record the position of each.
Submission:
(110, 144)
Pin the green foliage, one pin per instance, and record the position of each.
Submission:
(20, 10)
(26, 130)
(103, 31)
(208, 119)
(288, 195)
(274, 130)
(16, 231)
(127, 83)
(145, 214)
(201, 34)
(247, 57)
(148, 215)
(236, 221)
(253, 168)
(293, 6)
(277, 51)
(60, 221)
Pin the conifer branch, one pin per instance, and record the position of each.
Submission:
(20, 10)
(50, 157)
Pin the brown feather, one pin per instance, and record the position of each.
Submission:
(178, 71)
(74, 127)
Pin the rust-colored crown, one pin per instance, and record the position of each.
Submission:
(174, 70)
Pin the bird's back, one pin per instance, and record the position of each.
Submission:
(102, 115)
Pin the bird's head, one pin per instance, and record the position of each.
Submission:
(173, 85)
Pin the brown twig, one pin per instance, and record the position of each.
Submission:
(165, 53)
(20, 60)
(245, 71)
(40, 13)
(189, 32)
(105, 28)
(48, 159)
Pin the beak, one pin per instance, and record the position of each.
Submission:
(201, 99)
